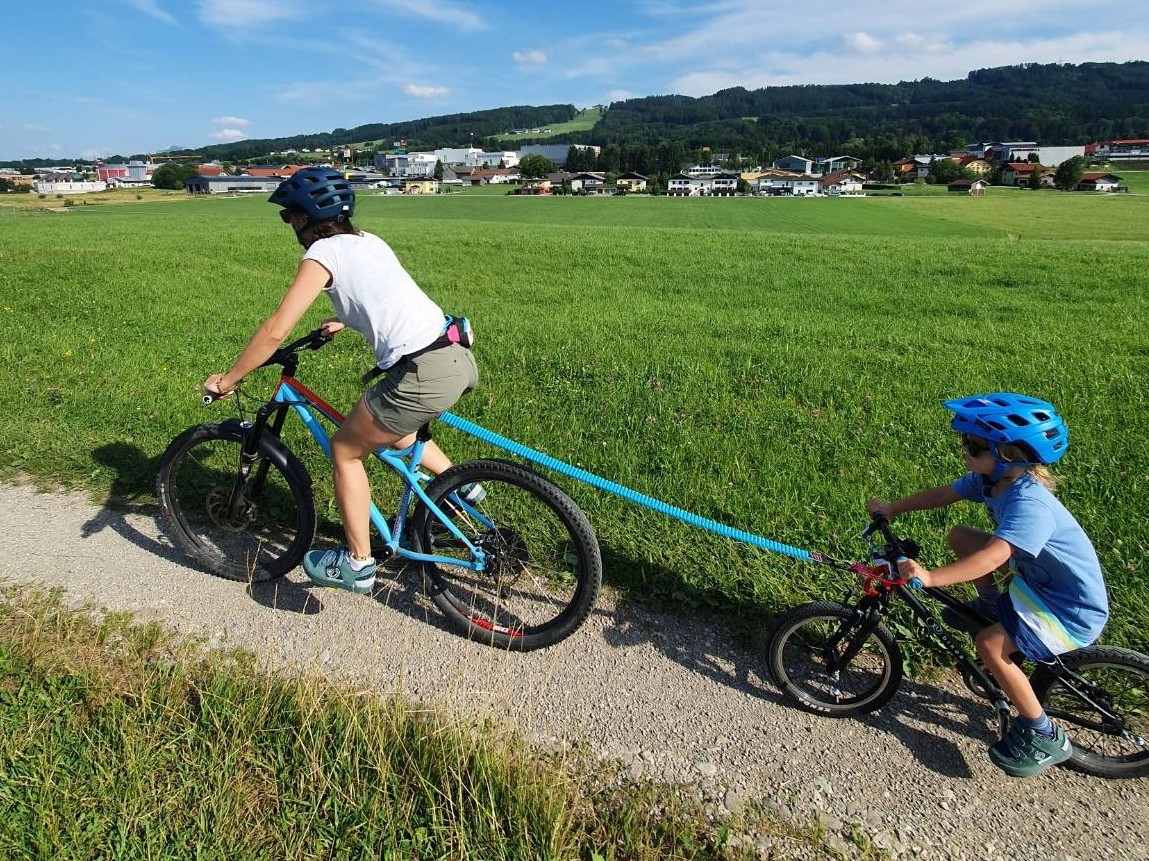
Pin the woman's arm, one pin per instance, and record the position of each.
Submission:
(309, 282)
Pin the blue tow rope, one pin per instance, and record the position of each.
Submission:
(618, 490)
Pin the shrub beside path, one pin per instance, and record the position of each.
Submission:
(672, 699)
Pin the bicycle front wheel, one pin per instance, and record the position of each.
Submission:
(252, 530)
(1105, 712)
(805, 651)
(542, 570)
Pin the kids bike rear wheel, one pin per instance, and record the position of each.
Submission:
(543, 568)
(805, 649)
(1111, 680)
(254, 530)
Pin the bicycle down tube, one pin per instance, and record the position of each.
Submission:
(292, 393)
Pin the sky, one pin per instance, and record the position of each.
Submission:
(95, 78)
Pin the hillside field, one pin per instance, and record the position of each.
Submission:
(769, 363)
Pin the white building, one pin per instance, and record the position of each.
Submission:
(67, 186)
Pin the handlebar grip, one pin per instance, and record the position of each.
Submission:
(209, 398)
(916, 583)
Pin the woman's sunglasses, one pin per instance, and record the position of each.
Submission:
(973, 445)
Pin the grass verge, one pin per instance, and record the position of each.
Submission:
(119, 741)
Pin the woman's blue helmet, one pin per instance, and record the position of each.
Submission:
(1006, 418)
(323, 193)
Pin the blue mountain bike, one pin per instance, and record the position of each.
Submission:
(520, 569)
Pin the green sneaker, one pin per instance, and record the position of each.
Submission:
(1024, 752)
(333, 568)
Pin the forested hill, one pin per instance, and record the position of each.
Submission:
(450, 130)
(1058, 104)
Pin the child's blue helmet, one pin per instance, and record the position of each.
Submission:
(1006, 418)
(323, 193)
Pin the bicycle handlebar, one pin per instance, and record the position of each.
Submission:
(285, 355)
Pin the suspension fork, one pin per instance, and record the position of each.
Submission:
(252, 471)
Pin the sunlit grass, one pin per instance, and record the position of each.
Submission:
(766, 363)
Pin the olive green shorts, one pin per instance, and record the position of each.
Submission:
(416, 391)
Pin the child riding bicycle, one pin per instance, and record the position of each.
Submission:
(1056, 600)
(425, 369)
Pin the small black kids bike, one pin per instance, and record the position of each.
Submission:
(839, 659)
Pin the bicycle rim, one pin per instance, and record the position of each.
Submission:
(263, 536)
(805, 640)
(1119, 681)
(543, 567)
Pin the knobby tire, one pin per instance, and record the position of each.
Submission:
(276, 521)
(544, 567)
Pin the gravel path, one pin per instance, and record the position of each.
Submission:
(672, 699)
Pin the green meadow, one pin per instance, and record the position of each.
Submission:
(767, 363)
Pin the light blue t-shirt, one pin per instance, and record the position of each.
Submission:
(1058, 589)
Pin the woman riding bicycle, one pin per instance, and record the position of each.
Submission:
(1056, 600)
(426, 369)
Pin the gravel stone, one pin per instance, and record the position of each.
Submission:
(667, 697)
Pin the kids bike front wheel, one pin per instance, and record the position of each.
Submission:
(1102, 702)
(249, 528)
(541, 568)
(824, 661)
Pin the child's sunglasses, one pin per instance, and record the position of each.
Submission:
(973, 445)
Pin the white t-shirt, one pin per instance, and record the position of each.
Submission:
(374, 295)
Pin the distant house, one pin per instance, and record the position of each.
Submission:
(975, 187)
(1017, 173)
(1099, 182)
(223, 184)
(835, 164)
(280, 172)
(974, 164)
(795, 164)
(1115, 150)
(420, 185)
(587, 182)
(842, 182)
(632, 182)
(683, 185)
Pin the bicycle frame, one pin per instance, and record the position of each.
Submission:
(292, 396)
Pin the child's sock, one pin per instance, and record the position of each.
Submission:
(1041, 725)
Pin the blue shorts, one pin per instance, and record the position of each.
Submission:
(1022, 635)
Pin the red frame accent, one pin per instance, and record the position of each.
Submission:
(321, 404)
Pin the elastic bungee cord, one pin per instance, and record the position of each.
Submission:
(626, 493)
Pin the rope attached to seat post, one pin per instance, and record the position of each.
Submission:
(626, 493)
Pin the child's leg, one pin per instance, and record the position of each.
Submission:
(997, 650)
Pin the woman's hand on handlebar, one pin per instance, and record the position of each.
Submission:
(330, 326)
(214, 385)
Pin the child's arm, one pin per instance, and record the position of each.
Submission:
(985, 561)
(934, 497)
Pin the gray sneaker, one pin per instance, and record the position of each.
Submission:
(1024, 752)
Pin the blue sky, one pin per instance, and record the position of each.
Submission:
(92, 78)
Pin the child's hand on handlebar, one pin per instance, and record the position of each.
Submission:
(910, 569)
(878, 506)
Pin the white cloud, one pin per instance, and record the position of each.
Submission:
(618, 96)
(248, 13)
(530, 58)
(149, 7)
(93, 154)
(437, 11)
(862, 43)
(232, 121)
(32, 127)
(419, 92)
(228, 135)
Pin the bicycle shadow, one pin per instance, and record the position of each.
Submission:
(729, 648)
(130, 495)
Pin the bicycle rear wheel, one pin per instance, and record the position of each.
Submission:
(543, 569)
(273, 521)
(804, 641)
(1116, 680)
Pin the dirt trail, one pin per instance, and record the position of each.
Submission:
(673, 699)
